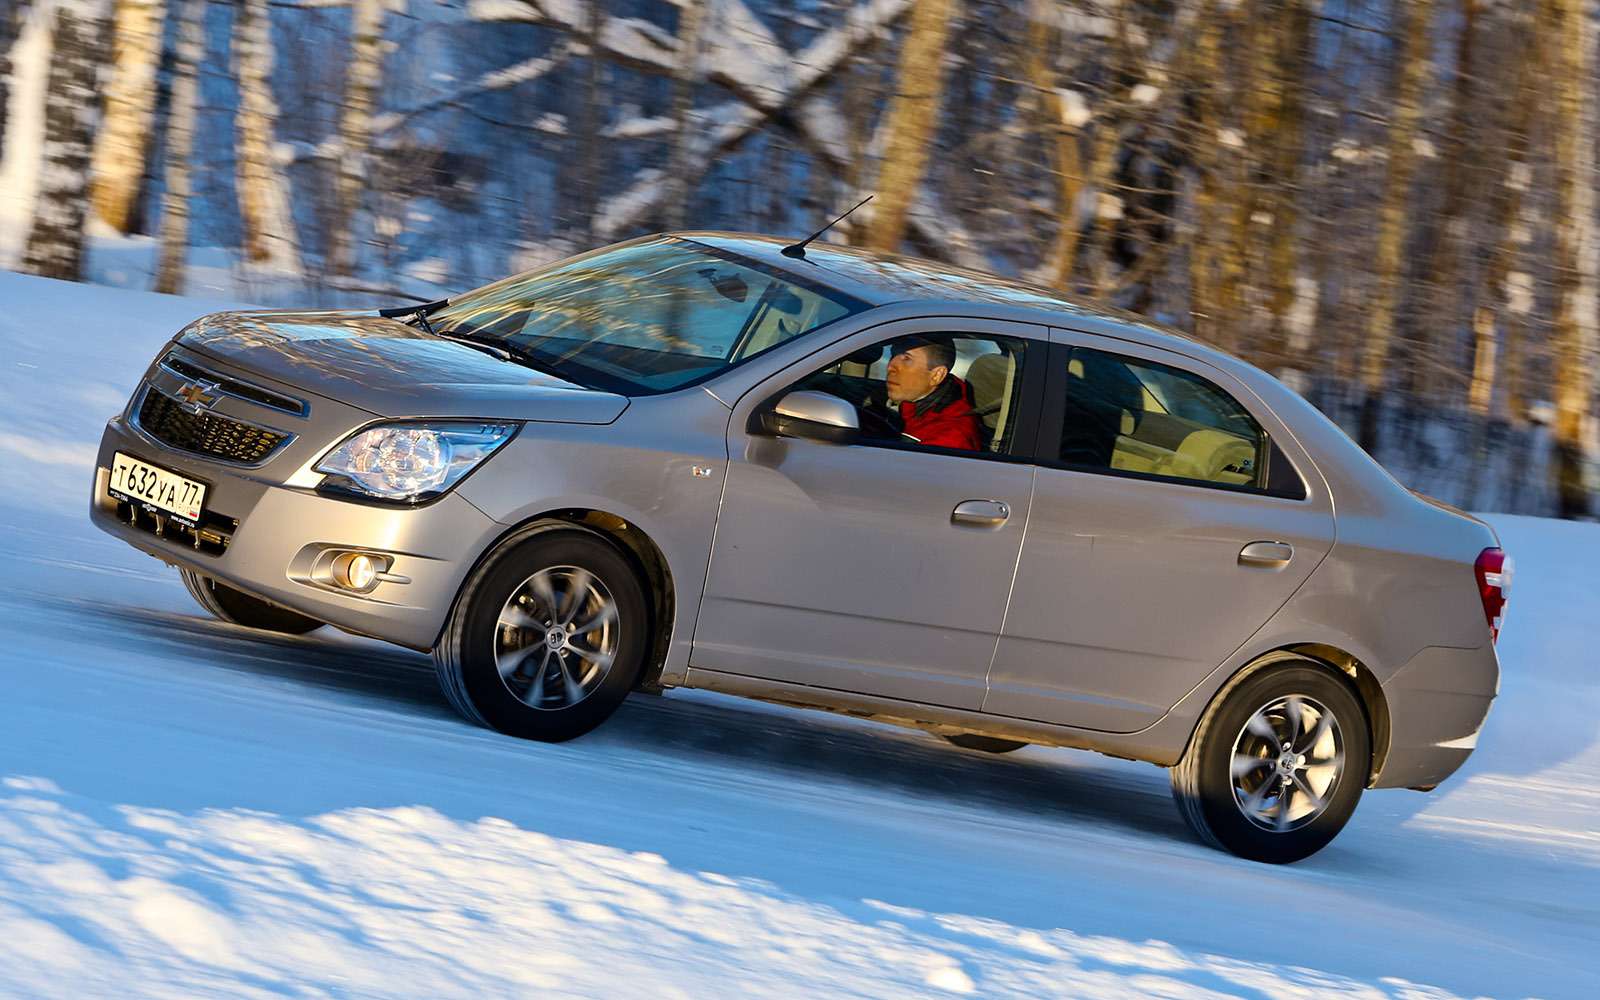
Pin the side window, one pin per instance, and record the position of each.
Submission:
(947, 391)
(1132, 415)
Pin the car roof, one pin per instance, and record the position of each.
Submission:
(884, 279)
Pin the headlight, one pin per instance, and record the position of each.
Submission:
(411, 462)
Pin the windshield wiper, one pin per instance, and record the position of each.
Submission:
(421, 311)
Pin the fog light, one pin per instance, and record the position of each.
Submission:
(355, 571)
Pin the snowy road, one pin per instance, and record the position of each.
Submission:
(189, 809)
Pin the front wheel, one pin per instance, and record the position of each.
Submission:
(239, 608)
(1277, 764)
(547, 638)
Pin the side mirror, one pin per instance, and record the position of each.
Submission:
(815, 416)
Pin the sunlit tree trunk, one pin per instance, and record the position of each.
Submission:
(1204, 81)
(1392, 217)
(355, 131)
(180, 148)
(1577, 256)
(265, 216)
(1437, 332)
(1285, 128)
(588, 153)
(123, 142)
(913, 118)
(685, 80)
(1060, 126)
(55, 246)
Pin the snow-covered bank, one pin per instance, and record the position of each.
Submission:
(190, 809)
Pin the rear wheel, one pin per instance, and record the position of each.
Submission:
(239, 608)
(1277, 765)
(547, 639)
(988, 744)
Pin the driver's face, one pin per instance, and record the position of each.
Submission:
(910, 376)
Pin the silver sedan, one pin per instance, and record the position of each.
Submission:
(837, 480)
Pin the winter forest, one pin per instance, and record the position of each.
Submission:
(1390, 204)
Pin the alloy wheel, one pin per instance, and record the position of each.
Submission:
(556, 638)
(1286, 762)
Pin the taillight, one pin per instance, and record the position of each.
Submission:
(1494, 586)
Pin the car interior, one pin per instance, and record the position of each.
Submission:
(988, 366)
(1137, 416)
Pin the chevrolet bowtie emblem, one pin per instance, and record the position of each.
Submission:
(197, 396)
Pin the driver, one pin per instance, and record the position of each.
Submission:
(934, 406)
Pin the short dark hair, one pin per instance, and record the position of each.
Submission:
(941, 352)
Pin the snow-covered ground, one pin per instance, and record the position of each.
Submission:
(189, 809)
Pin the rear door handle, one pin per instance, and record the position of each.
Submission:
(1269, 554)
(981, 513)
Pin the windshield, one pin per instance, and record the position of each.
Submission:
(644, 317)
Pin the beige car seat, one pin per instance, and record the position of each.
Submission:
(992, 378)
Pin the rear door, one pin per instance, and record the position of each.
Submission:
(1172, 517)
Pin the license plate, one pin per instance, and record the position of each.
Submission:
(156, 488)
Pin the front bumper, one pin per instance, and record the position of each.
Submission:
(1438, 703)
(263, 534)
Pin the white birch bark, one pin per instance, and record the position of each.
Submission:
(180, 147)
(355, 131)
(268, 234)
(55, 247)
(130, 102)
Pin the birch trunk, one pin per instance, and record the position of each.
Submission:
(1203, 258)
(912, 119)
(588, 160)
(1392, 218)
(180, 147)
(355, 132)
(1060, 127)
(1577, 256)
(55, 238)
(1506, 207)
(685, 80)
(123, 143)
(1437, 331)
(1292, 67)
(265, 217)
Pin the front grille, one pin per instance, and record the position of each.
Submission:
(164, 419)
(234, 387)
(211, 537)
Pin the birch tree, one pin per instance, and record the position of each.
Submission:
(692, 17)
(355, 131)
(180, 148)
(1393, 216)
(265, 217)
(912, 119)
(55, 246)
(1577, 256)
(124, 139)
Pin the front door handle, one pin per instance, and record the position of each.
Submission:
(1268, 554)
(981, 513)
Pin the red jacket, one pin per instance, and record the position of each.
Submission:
(944, 418)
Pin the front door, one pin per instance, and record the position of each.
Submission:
(1169, 523)
(881, 567)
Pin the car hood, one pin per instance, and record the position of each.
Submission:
(392, 369)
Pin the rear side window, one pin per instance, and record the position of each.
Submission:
(1129, 415)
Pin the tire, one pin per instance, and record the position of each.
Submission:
(559, 682)
(1323, 747)
(238, 608)
(988, 744)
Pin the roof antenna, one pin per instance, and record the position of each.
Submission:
(798, 250)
